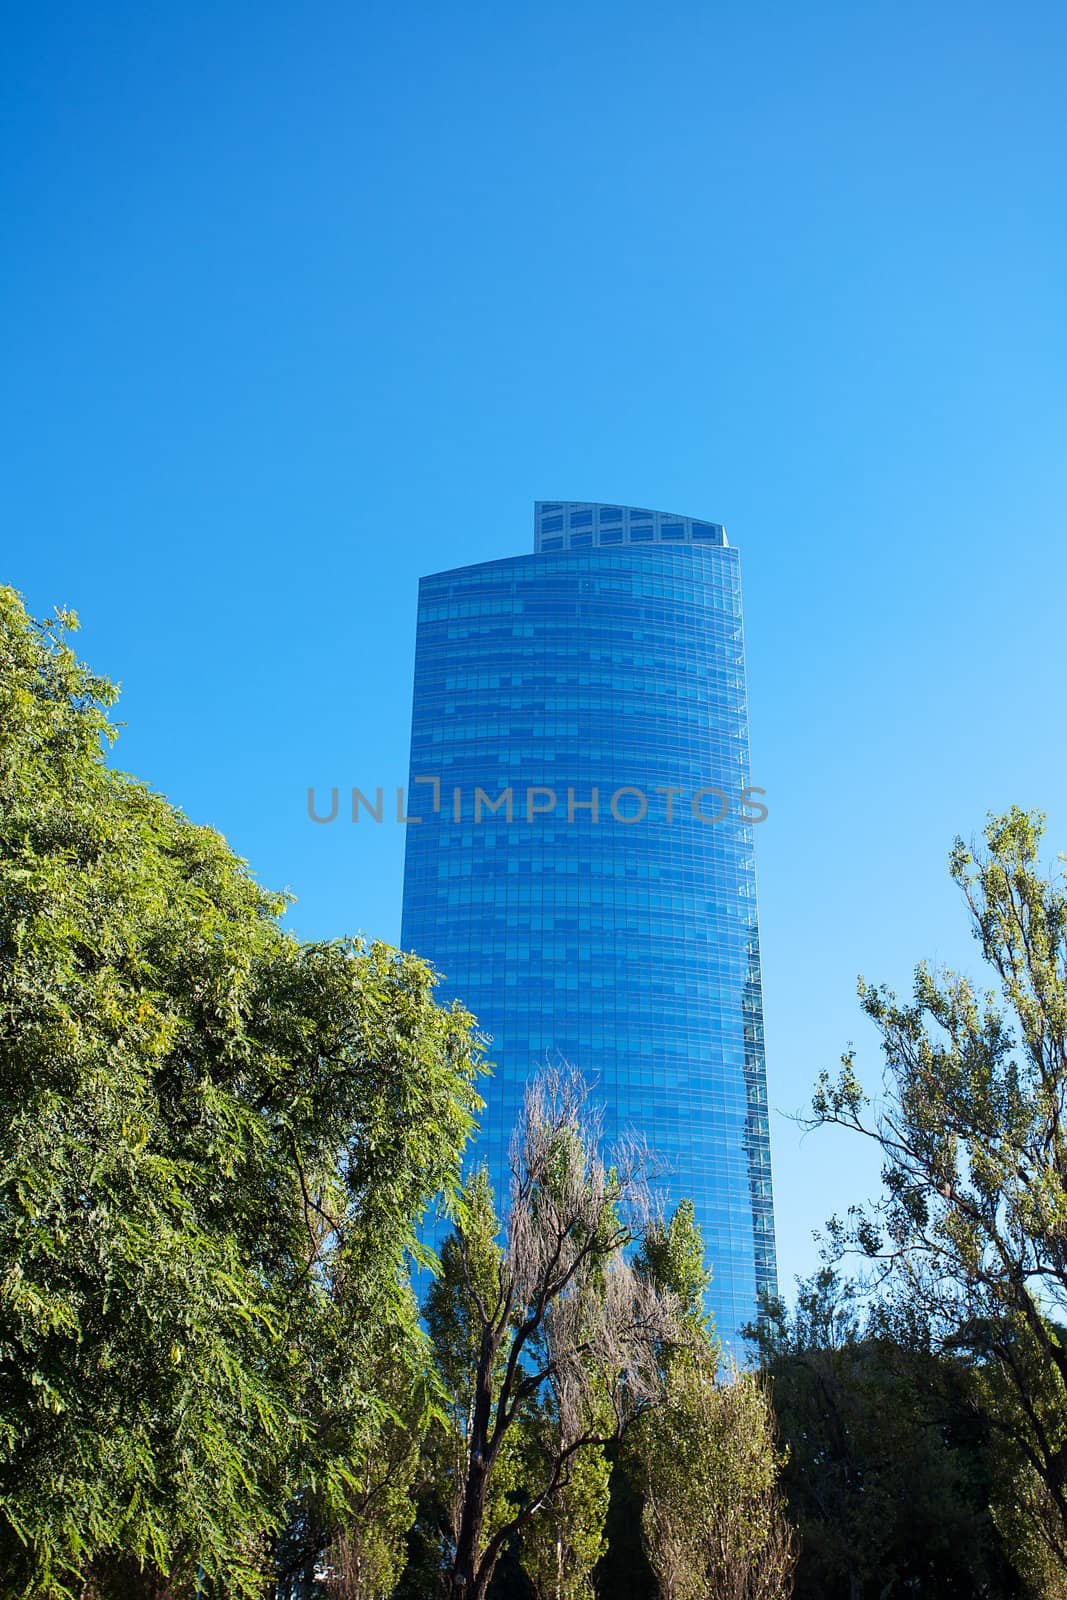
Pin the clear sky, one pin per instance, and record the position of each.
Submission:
(301, 302)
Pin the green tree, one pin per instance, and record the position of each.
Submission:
(471, 1264)
(671, 1259)
(1005, 1363)
(215, 1143)
(714, 1518)
(705, 1463)
(373, 1403)
(623, 1571)
(889, 1470)
(562, 1338)
(561, 1546)
(973, 1139)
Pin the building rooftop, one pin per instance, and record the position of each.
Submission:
(580, 524)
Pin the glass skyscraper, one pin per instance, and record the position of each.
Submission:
(583, 871)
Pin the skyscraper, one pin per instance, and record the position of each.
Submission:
(583, 871)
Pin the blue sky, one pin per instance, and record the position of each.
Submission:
(302, 302)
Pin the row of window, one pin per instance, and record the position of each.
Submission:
(667, 533)
(687, 572)
(551, 518)
(710, 565)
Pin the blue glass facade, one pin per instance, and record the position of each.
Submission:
(583, 871)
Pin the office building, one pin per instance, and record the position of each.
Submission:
(583, 873)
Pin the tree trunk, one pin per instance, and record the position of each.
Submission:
(466, 1581)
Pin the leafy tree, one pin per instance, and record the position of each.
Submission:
(671, 1258)
(556, 1327)
(973, 1137)
(623, 1571)
(1005, 1363)
(561, 1546)
(705, 1463)
(374, 1404)
(469, 1277)
(215, 1143)
(713, 1516)
(889, 1469)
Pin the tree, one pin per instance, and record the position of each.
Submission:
(215, 1143)
(557, 1328)
(671, 1259)
(624, 1571)
(469, 1277)
(974, 1141)
(346, 1533)
(561, 1546)
(714, 1518)
(1018, 1395)
(889, 1470)
(705, 1463)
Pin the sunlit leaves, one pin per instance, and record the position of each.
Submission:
(972, 1131)
(215, 1145)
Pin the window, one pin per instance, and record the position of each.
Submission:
(551, 524)
(551, 544)
(672, 530)
(581, 519)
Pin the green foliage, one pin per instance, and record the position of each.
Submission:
(705, 1464)
(713, 1514)
(974, 1143)
(215, 1143)
(700, 1471)
(373, 1404)
(471, 1263)
(1006, 1362)
(623, 1571)
(562, 1545)
(890, 1458)
(549, 1344)
(672, 1257)
(471, 1260)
